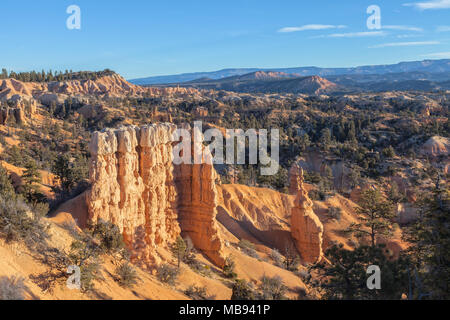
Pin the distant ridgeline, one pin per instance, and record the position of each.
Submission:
(49, 76)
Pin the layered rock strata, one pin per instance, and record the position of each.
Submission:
(136, 186)
(306, 228)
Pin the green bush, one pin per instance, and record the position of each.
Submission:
(242, 291)
(228, 268)
(17, 223)
(126, 275)
(111, 240)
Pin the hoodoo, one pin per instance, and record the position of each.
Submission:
(306, 228)
(136, 186)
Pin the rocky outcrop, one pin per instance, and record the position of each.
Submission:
(306, 228)
(136, 186)
(111, 86)
(436, 146)
(18, 107)
(294, 179)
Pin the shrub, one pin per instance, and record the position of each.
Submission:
(272, 288)
(89, 273)
(127, 275)
(277, 258)
(242, 291)
(389, 152)
(6, 187)
(228, 268)
(197, 293)
(17, 224)
(167, 274)
(111, 240)
(291, 257)
(189, 255)
(303, 274)
(12, 288)
(248, 248)
(335, 213)
(200, 268)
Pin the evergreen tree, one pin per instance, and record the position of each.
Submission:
(179, 249)
(31, 177)
(430, 249)
(374, 212)
(345, 277)
(6, 187)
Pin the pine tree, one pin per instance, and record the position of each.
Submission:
(179, 249)
(375, 212)
(345, 276)
(6, 187)
(31, 177)
(430, 250)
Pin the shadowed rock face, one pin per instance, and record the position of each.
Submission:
(136, 186)
(306, 228)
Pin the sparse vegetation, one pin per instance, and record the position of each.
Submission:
(248, 248)
(277, 258)
(197, 293)
(12, 288)
(272, 288)
(17, 223)
(228, 268)
(126, 275)
(242, 291)
(179, 249)
(167, 274)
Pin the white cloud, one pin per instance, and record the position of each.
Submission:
(311, 27)
(403, 28)
(354, 34)
(405, 36)
(406, 44)
(430, 5)
(443, 29)
(438, 55)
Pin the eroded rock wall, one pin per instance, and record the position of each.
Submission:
(136, 186)
(306, 228)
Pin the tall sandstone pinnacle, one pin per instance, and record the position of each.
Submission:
(136, 186)
(306, 228)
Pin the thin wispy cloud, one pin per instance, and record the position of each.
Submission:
(430, 5)
(354, 34)
(406, 36)
(402, 28)
(438, 55)
(406, 44)
(443, 29)
(309, 27)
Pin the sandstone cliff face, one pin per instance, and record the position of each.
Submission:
(306, 228)
(136, 186)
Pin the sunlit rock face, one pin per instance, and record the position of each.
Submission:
(136, 186)
(306, 228)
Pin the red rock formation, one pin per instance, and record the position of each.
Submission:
(306, 228)
(295, 176)
(136, 186)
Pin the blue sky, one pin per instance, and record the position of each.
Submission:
(139, 38)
